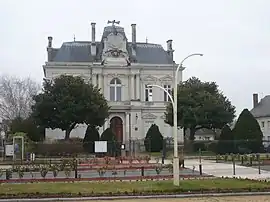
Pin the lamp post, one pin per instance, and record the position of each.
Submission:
(175, 146)
(174, 105)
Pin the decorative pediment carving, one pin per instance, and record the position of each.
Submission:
(149, 78)
(163, 117)
(149, 116)
(166, 78)
(115, 49)
(115, 75)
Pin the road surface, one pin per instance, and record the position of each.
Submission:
(202, 199)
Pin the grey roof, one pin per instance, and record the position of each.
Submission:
(80, 51)
(77, 51)
(263, 108)
(151, 54)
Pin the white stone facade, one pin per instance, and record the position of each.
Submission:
(130, 102)
(264, 123)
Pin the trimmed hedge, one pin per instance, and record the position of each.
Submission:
(91, 135)
(61, 148)
(153, 141)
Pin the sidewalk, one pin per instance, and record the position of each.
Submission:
(226, 170)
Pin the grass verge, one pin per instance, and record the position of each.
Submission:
(128, 188)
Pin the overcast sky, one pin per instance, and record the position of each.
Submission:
(233, 35)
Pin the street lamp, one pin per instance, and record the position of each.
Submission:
(175, 146)
(174, 105)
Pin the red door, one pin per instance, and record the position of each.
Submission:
(117, 128)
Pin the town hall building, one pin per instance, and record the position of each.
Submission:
(122, 69)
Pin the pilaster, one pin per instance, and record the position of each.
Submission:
(138, 86)
(131, 89)
(100, 82)
(106, 87)
(94, 79)
(127, 136)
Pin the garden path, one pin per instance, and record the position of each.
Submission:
(225, 169)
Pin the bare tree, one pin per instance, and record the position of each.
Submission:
(16, 96)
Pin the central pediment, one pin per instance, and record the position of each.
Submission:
(115, 48)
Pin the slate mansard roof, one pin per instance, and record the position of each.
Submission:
(263, 108)
(80, 51)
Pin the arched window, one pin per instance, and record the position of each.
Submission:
(115, 90)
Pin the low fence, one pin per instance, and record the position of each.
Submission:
(95, 169)
(77, 148)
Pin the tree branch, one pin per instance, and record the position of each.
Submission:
(16, 96)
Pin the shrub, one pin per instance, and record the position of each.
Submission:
(225, 142)
(199, 145)
(153, 141)
(64, 148)
(113, 147)
(247, 133)
(212, 146)
(91, 135)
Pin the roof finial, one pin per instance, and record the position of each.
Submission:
(74, 38)
(146, 40)
(113, 22)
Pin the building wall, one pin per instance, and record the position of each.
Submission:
(133, 80)
(264, 123)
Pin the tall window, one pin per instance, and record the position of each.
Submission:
(115, 90)
(148, 93)
(169, 89)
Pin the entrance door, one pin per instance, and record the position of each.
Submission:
(117, 127)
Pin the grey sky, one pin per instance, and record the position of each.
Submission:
(234, 36)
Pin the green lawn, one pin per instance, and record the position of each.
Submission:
(129, 187)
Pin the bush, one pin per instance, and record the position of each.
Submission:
(153, 141)
(226, 141)
(211, 146)
(91, 135)
(28, 126)
(199, 145)
(63, 148)
(113, 147)
(247, 133)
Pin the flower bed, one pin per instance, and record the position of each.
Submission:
(113, 160)
(265, 162)
(140, 188)
(119, 167)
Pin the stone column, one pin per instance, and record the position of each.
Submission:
(105, 87)
(100, 82)
(138, 86)
(94, 79)
(131, 89)
(127, 129)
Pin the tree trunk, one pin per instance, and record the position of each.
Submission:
(192, 132)
(68, 131)
(67, 134)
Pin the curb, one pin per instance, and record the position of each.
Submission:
(140, 197)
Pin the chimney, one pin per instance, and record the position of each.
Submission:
(93, 43)
(133, 26)
(170, 49)
(49, 48)
(93, 24)
(50, 41)
(255, 100)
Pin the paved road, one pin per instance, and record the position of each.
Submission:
(226, 170)
(201, 199)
